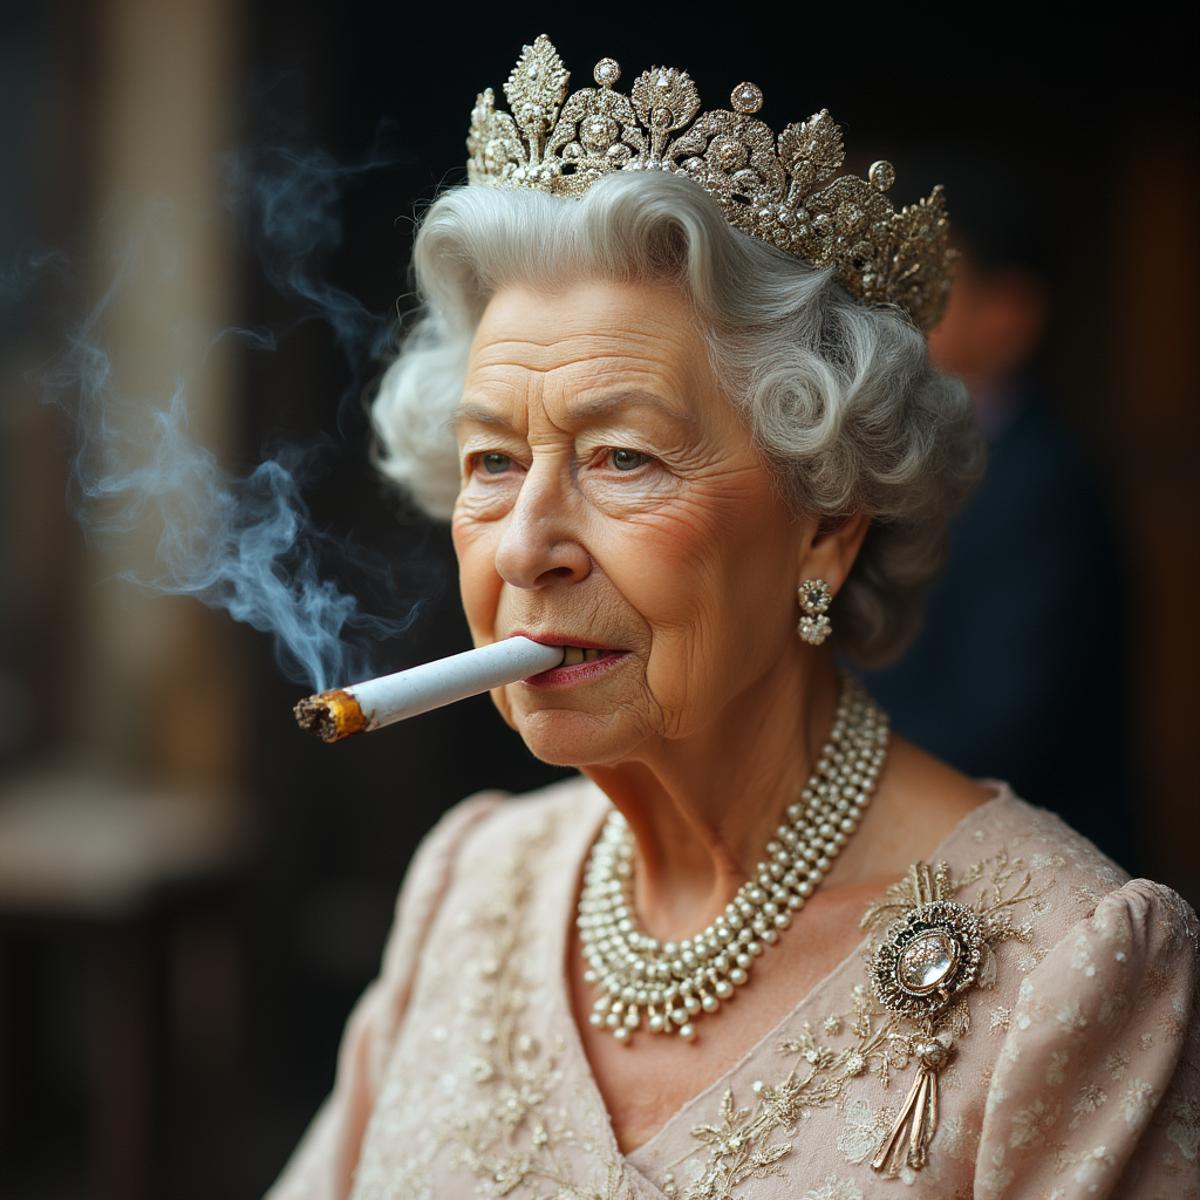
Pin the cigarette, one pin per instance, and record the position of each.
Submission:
(390, 698)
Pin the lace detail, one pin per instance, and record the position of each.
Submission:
(748, 1142)
(1102, 1099)
(1075, 1075)
(496, 1117)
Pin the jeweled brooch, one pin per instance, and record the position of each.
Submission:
(929, 955)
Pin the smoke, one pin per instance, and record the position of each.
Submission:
(247, 543)
(289, 202)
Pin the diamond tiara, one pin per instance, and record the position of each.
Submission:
(774, 188)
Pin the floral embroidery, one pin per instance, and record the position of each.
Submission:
(1056, 1066)
(521, 1143)
(834, 1189)
(862, 1130)
(1090, 1098)
(993, 1176)
(749, 1142)
(1184, 1127)
(1109, 1096)
(1029, 1125)
(1090, 1166)
(1138, 1103)
(477, 1086)
(500, 1123)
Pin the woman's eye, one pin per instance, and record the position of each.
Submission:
(627, 460)
(494, 463)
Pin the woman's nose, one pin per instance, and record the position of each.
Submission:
(541, 541)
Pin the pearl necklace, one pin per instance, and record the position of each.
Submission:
(665, 985)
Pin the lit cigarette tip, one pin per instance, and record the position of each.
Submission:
(331, 715)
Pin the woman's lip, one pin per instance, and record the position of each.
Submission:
(577, 672)
(557, 639)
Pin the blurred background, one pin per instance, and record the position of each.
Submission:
(212, 203)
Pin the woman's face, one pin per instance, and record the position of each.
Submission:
(611, 493)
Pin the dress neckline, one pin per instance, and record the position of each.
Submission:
(643, 1156)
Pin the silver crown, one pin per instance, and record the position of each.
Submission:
(774, 188)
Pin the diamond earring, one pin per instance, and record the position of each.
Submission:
(815, 597)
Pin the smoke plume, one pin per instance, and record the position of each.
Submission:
(244, 543)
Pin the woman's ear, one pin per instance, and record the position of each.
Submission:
(829, 551)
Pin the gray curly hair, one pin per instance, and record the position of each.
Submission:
(841, 398)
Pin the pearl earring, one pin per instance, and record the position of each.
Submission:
(815, 597)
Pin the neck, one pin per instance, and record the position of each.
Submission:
(703, 807)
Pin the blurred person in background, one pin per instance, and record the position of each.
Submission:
(1032, 605)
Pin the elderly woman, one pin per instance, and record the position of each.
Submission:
(703, 461)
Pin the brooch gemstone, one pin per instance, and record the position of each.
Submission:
(927, 957)
(927, 962)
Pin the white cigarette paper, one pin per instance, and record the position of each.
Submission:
(375, 703)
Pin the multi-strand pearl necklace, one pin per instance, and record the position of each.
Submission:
(666, 984)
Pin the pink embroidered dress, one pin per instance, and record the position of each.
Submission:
(1075, 1068)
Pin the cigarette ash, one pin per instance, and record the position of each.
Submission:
(331, 716)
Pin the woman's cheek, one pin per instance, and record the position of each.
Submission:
(482, 502)
(673, 540)
(476, 509)
(628, 498)
(459, 532)
(477, 584)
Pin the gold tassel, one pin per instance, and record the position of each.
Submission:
(920, 1115)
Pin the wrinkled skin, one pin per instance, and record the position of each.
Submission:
(659, 533)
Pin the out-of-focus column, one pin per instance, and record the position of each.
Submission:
(156, 668)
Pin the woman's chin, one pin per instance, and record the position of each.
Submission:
(567, 737)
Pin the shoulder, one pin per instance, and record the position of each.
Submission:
(1097, 1084)
(1097, 1081)
(474, 831)
(1009, 833)
(1093, 909)
(471, 854)
(483, 826)
(1047, 874)
(1076, 889)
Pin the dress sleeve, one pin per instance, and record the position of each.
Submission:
(1096, 1091)
(321, 1167)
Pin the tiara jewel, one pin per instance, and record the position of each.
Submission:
(781, 188)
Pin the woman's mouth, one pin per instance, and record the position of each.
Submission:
(579, 665)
